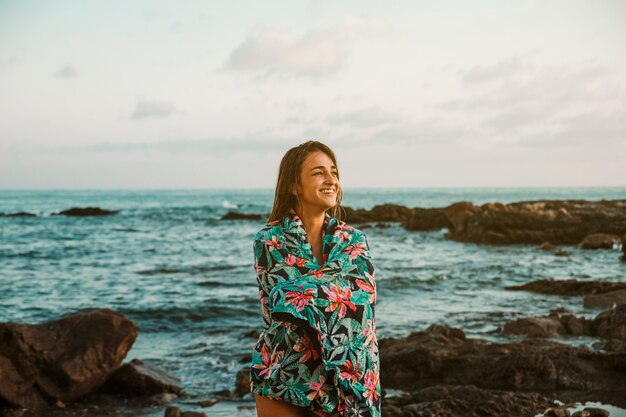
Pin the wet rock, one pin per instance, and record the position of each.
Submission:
(535, 327)
(606, 299)
(232, 215)
(86, 211)
(172, 412)
(18, 214)
(568, 287)
(533, 222)
(591, 412)
(611, 324)
(429, 219)
(465, 401)
(208, 403)
(599, 241)
(242, 381)
(61, 359)
(383, 212)
(160, 399)
(443, 355)
(137, 378)
(547, 246)
(556, 412)
(193, 414)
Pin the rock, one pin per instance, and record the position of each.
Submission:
(425, 219)
(562, 253)
(535, 327)
(232, 215)
(556, 412)
(568, 287)
(160, 399)
(172, 412)
(137, 378)
(624, 248)
(193, 414)
(443, 355)
(86, 211)
(378, 213)
(242, 381)
(599, 241)
(18, 214)
(466, 401)
(611, 324)
(591, 412)
(547, 246)
(63, 359)
(561, 222)
(208, 403)
(606, 299)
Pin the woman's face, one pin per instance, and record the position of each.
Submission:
(318, 173)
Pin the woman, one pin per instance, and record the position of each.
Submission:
(317, 354)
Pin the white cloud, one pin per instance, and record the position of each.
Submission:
(154, 109)
(315, 53)
(66, 71)
(365, 117)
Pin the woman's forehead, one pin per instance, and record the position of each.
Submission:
(317, 159)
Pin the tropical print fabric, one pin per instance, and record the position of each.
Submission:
(318, 347)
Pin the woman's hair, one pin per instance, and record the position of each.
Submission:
(289, 178)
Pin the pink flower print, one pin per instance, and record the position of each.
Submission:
(370, 335)
(304, 344)
(268, 361)
(339, 299)
(300, 299)
(371, 383)
(293, 260)
(355, 250)
(350, 372)
(273, 243)
(318, 273)
(319, 389)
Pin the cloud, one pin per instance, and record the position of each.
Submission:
(317, 53)
(365, 117)
(155, 109)
(502, 69)
(66, 71)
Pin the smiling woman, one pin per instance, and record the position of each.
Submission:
(318, 353)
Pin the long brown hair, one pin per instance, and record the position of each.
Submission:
(289, 177)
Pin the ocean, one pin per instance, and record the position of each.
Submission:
(169, 263)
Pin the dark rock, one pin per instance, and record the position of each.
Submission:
(193, 414)
(556, 412)
(533, 222)
(611, 324)
(232, 215)
(443, 355)
(160, 399)
(86, 211)
(535, 327)
(137, 378)
(242, 381)
(254, 333)
(568, 287)
(18, 214)
(547, 246)
(61, 359)
(466, 401)
(562, 253)
(208, 403)
(599, 241)
(591, 412)
(425, 219)
(383, 212)
(172, 412)
(606, 299)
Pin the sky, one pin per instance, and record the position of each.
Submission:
(203, 94)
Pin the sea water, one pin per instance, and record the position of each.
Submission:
(186, 278)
